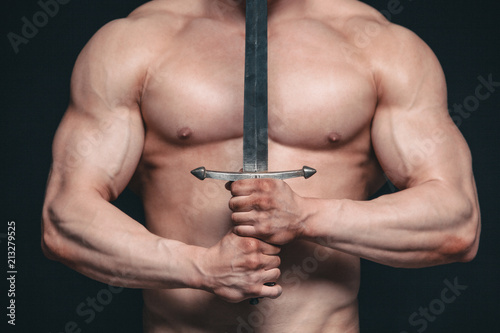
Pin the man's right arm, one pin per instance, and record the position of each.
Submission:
(95, 153)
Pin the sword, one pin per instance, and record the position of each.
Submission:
(255, 136)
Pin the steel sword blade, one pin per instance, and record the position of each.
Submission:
(255, 123)
(255, 136)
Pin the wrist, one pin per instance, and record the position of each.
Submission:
(183, 265)
(309, 211)
(197, 278)
(318, 217)
(200, 278)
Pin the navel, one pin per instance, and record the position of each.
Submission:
(334, 137)
(184, 133)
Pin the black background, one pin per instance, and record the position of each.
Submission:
(35, 89)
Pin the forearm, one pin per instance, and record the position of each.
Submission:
(95, 238)
(425, 225)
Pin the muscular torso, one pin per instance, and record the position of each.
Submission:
(321, 103)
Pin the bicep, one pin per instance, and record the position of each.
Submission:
(413, 136)
(98, 151)
(416, 148)
(100, 139)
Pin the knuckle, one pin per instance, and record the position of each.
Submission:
(262, 225)
(264, 202)
(267, 185)
(250, 245)
(265, 228)
(252, 262)
(253, 280)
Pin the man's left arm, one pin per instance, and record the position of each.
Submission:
(433, 220)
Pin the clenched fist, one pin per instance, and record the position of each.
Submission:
(266, 209)
(237, 268)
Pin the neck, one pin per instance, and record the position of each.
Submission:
(235, 9)
(278, 6)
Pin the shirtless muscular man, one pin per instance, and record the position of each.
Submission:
(158, 93)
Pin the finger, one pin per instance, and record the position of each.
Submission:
(272, 292)
(270, 250)
(244, 187)
(254, 201)
(245, 230)
(271, 262)
(248, 186)
(240, 204)
(271, 275)
(269, 290)
(244, 218)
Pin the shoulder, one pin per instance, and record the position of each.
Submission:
(142, 34)
(137, 34)
(400, 58)
(368, 29)
(120, 53)
(391, 52)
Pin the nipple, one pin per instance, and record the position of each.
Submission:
(184, 133)
(334, 137)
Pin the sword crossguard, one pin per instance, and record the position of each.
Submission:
(202, 173)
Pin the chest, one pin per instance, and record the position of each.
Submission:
(316, 95)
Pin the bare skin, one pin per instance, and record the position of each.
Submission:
(160, 93)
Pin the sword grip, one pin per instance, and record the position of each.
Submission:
(202, 173)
